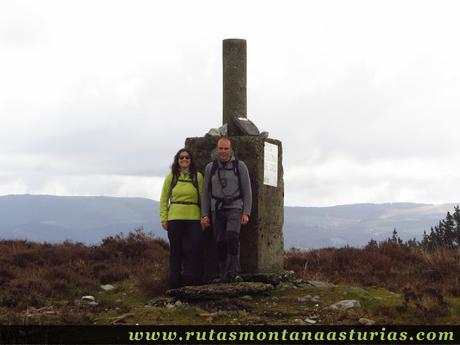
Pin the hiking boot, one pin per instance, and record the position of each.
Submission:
(237, 279)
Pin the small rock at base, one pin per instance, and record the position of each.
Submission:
(345, 304)
(88, 298)
(366, 322)
(319, 284)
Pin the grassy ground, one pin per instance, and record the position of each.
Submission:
(44, 283)
(287, 304)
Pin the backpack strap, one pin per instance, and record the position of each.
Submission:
(195, 184)
(184, 203)
(174, 180)
(236, 169)
(194, 181)
(213, 171)
(215, 167)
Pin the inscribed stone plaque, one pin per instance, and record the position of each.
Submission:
(246, 125)
(270, 164)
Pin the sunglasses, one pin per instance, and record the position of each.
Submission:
(184, 157)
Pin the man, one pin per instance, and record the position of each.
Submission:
(227, 198)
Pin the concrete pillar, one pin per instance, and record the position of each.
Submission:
(234, 82)
(262, 239)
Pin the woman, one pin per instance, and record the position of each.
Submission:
(180, 217)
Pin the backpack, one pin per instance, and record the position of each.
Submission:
(226, 200)
(194, 181)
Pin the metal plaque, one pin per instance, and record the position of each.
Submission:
(246, 125)
(271, 164)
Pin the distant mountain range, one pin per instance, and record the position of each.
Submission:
(90, 219)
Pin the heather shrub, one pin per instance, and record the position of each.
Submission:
(33, 274)
(389, 264)
(153, 279)
(113, 274)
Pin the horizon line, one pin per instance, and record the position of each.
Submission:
(325, 206)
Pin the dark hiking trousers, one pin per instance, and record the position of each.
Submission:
(185, 235)
(226, 225)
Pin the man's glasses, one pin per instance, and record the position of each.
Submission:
(184, 157)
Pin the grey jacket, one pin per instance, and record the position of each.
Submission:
(231, 187)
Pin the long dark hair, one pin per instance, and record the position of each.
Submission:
(175, 168)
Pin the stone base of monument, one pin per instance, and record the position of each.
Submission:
(261, 241)
(218, 291)
(253, 284)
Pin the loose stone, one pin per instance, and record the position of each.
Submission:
(345, 304)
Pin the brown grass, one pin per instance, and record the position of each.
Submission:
(36, 274)
(33, 274)
(387, 264)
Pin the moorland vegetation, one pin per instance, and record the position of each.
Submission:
(35, 276)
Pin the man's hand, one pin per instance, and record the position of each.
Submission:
(244, 219)
(165, 226)
(205, 222)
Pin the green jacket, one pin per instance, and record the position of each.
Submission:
(183, 191)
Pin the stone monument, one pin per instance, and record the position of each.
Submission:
(262, 239)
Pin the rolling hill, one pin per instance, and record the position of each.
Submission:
(89, 219)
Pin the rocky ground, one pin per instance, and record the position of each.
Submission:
(259, 300)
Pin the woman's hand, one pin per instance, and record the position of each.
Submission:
(205, 222)
(165, 226)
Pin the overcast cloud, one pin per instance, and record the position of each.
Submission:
(97, 96)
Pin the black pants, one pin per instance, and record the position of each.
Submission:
(185, 235)
(226, 225)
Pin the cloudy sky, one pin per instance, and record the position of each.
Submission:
(97, 96)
